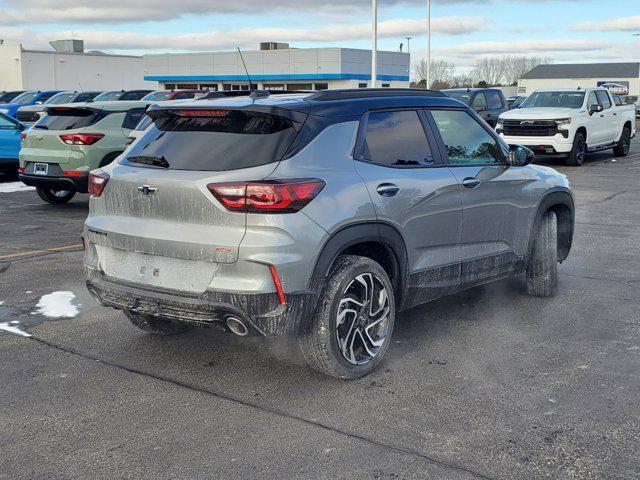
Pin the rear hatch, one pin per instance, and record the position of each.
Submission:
(43, 144)
(157, 223)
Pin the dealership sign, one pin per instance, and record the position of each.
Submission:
(615, 87)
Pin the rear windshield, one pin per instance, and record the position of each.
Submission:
(25, 98)
(132, 118)
(68, 118)
(226, 140)
(64, 97)
(107, 96)
(464, 97)
(158, 96)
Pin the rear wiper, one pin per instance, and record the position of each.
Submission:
(150, 160)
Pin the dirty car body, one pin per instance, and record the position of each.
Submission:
(242, 208)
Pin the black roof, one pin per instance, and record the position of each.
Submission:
(471, 90)
(604, 71)
(327, 103)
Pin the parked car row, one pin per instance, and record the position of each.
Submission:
(20, 111)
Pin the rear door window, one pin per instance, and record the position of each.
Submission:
(133, 117)
(133, 95)
(212, 140)
(465, 140)
(479, 101)
(68, 118)
(396, 139)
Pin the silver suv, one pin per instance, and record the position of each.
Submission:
(318, 215)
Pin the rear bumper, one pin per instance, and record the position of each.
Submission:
(76, 184)
(262, 312)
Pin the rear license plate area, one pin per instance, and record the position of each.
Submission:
(41, 169)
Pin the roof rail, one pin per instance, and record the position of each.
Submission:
(346, 94)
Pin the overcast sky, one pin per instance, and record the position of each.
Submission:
(566, 30)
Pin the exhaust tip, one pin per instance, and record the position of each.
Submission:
(236, 326)
(95, 296)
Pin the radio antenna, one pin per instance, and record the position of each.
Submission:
(245, 68)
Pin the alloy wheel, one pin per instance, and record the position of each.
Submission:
(362, 322)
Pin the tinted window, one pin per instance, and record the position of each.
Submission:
(465, 140)
(8, 97)
(479, 101)
(132, 118)
(183, 95)
(494, 102)
(85, 97)
(227, 140)
(603, 98)
(462, 96)
(396, 139)
(46, 96)
(133, 95)
(68, 119)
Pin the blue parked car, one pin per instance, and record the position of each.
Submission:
(34, 97)
(10, 139)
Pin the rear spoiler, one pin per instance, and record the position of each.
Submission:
(297, 112)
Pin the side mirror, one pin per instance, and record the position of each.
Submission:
(520, 156)
(595, 109)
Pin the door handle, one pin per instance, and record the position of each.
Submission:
(471, 182)
(615, 114)
(387, 189)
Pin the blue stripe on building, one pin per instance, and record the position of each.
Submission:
(302, 76)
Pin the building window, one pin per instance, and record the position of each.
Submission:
(386, 85)
(187, 86)
(522, 89)
(299, 86)
(274, 86)
(321, 86)
(362, 85)
(209, 86)
(170, 86)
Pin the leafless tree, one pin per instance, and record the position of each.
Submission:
(504, 70)
(442, 72)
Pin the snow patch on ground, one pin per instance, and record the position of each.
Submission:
(57, 305)
(11, 328)
(1, 303)
(12, 187)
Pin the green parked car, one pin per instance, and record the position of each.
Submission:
(71, 140)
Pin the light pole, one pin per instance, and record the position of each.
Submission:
(408, 44)
(428, 44)
(374, 43)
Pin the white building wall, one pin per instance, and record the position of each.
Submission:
(68, 71)
(10, 68)
(528, 86)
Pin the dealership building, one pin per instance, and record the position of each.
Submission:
(622, 78)
(68, 67)
(276, 66)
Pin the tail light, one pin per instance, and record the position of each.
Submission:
(21, 169)
(130, 140)
(81, 138)
(23, 135)
(272, 196)
(97, 181)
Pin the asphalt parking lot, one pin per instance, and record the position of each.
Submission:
(489, 383)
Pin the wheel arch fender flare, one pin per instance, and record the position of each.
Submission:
(561, 202)
(351, 235)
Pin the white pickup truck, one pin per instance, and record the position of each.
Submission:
(571, 123)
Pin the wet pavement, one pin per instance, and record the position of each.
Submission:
(489, 383)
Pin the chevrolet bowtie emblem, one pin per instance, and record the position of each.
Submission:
(147, 190)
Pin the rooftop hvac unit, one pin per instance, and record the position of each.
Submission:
(273, 46)
(68, 46)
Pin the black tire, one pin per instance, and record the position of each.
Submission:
(624, 145)
(578, 151)
(336, 317)
(55, 196)
(542, 267)
(156, 325)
